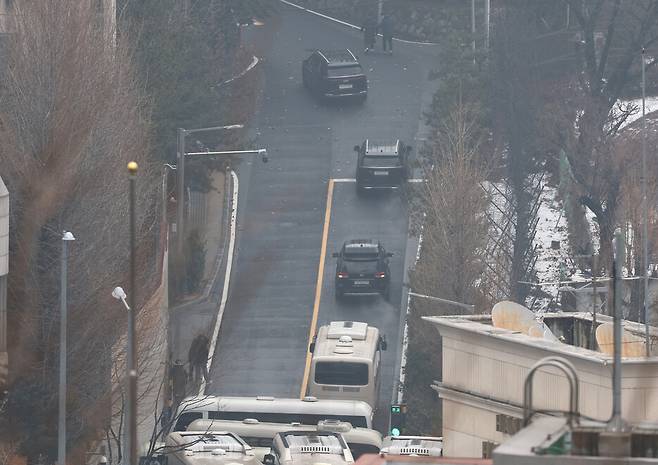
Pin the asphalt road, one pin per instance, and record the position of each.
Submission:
(264, 334)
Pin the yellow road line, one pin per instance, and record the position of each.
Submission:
(318, 286)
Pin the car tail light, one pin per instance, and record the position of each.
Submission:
(342, 274)
(380, 274)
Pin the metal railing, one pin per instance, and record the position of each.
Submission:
(569, 371)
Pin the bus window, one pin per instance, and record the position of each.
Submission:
(258, 442)
(301, 418)
(341, 373)
(185, 419)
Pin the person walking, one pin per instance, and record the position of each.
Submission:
(369, 29)
(386, 27)
(198, 358)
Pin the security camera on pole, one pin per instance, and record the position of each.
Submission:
(180, 171)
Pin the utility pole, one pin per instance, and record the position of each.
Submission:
(180, 171)
(487, 21)
(645, 212)
(616, 423)
(61, 426)
(473, 26)
(180, 198)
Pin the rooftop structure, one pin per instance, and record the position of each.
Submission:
(307, 448)
(209, 448)
(341, 338)
(550, 441)
(423, 446)
(382, 148)
(484, 368)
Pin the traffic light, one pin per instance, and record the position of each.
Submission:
(398, 414)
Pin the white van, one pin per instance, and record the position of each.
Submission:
(346, 362)
(306, 411)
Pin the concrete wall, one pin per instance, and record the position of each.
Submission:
(484, 369)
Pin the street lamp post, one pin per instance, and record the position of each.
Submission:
(61, 429)
(131, 350)
(444, 301)
(645, 213)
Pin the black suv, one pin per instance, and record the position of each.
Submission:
(362, 268)
(334, 74)
(381, 165)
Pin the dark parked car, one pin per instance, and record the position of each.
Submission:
(362, 268)
(381, 165)
(334, 74)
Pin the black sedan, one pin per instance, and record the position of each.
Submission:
(334, 75)
(362, 268)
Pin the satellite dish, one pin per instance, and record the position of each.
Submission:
(512, 316)
(516, 317)
(541, 330)
(631, 344)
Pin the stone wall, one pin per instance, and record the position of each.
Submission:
(423, 20)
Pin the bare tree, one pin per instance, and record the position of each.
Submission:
(613, 34)
(454, 232)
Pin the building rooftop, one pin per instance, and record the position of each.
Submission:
(574, 330)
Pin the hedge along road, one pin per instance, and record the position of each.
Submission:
(275, 291)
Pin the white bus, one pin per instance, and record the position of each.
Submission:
(260, 435)
(304, 448)
(306, 411)
(203, 448)
(346, 362)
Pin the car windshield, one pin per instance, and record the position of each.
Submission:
(381, 161)
(360, 255)
(352, 70)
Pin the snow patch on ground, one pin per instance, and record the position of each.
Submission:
(651, 105)
(552, 226)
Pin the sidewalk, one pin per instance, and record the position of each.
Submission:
(196, 315)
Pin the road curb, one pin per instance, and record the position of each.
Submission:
(350, 25)
(254, 61)
(227, 276)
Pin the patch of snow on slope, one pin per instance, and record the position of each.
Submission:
(552, 226)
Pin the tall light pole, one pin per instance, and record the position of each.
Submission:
(131, 355)
(180, 171)
(61, 427)
(473, 26)
(645, 212)
(487, 21)
(616, 422)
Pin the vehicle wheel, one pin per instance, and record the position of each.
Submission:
(363, 98)
(359, 190)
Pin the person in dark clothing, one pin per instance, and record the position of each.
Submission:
(198, 358)
(369, 29)
(386, 28)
